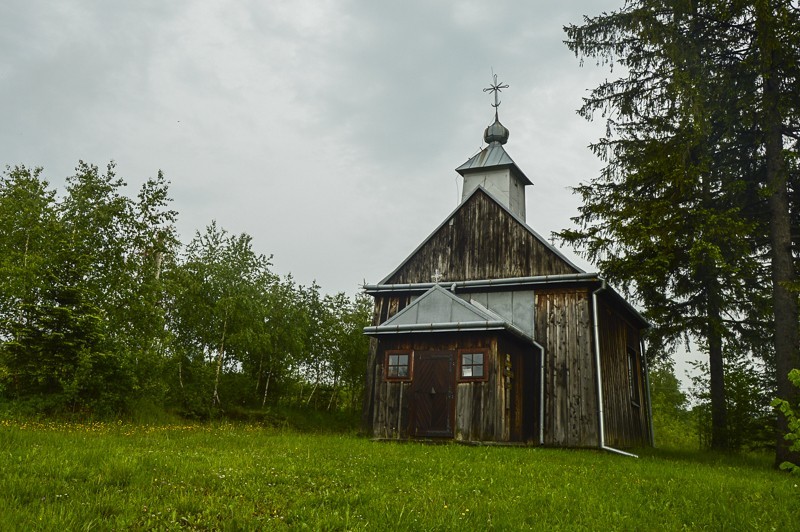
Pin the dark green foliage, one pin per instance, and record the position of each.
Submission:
(82, 319)
(685, 215)
(751, 421)
(672, 422)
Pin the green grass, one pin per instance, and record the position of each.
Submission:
(58, 476)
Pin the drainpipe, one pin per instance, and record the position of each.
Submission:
(647, 392)
(600, 413)
(540, 347)
(541, 396)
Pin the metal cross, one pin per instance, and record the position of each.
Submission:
(436, 277)
(496, 88)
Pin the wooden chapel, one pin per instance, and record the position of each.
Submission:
(487, 333)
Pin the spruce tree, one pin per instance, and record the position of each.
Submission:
(697, 127)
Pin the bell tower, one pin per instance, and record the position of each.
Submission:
(492, 168)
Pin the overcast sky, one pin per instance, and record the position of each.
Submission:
(327, 130)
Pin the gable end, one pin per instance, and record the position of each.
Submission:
(481, 239)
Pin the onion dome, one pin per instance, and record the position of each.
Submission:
(497, 132)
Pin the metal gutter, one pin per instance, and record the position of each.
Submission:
(431, 327)
(599, 374)
(375, 289)
(484, 283)
(493, 325)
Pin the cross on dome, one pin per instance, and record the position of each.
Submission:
(497, 132)
(496, 88)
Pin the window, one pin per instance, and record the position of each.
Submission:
(473, 365)
(633, 377)
(398, 365)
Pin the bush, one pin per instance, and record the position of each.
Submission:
(793, 416)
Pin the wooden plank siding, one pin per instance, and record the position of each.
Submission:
(563, 327)
(381, 312)
(498, 409)
(480, 241)
(485, 410)
(522, 389)
(626, 424)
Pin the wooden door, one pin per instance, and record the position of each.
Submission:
(432, 397)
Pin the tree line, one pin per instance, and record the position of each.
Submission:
(696, 213)
(104, 310)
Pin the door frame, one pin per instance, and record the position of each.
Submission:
(450, 407)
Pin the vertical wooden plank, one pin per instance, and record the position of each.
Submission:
(573, 374)
(588, 389)
(489, 403)
(464, 411)
(626, 424)
(394, 303)
(476, 426)
(482, 242)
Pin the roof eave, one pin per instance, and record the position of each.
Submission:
(425, 328)
(513, 166)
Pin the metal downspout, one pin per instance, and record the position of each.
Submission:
(540, 347)
(600, 412)
(647, 393)
(541, 396)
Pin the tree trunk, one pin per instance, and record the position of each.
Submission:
(266, 386)
(220, 353)
(334, 392)
(783, 273)
(258, 374)
(311, 395)
(719, 407)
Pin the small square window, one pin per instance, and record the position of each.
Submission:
(398, 365)
(472, 365)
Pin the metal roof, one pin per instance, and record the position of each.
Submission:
(506, 282)
(513, 283)
(492, 156)
(437, 310)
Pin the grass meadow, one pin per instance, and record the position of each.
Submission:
(103, 476)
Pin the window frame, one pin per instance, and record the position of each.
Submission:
(482, 378)
(410, 364)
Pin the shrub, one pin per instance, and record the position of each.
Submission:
(792, 414)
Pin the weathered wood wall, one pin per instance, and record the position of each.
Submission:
(479, 405)
(563, 327)
(626, 424)
(493, 411)
(522, 390)
(480, 410)
(481, 241)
